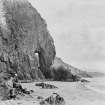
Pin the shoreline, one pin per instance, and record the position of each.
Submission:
(74, 93)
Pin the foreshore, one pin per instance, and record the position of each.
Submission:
(74, 93)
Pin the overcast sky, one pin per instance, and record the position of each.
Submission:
(78, 29)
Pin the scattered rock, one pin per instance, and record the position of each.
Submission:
(84, 80)
(46, 86)
(39, 84)
(54, 99)
(39, 97)
(31, 91)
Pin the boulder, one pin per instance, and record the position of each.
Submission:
(54, 99)
(46, 86)
(84, 80)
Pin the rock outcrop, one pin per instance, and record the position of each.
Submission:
(54, 99)
(45, 85)
(23, 32)
(64, 72)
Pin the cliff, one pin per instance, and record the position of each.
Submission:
(23, 32)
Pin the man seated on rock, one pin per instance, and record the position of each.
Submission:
(9, 85)
(19, 87)
(16, 83)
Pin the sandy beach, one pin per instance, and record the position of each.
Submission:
(74, 93)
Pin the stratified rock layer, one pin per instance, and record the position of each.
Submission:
(23, 33)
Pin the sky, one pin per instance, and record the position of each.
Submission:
(78, 29)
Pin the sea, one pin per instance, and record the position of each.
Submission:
(96, 84)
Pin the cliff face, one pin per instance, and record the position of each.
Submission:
(22, 33)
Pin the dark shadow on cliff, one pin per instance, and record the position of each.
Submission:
(63, 74)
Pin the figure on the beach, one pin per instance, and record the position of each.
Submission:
(9, 90)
